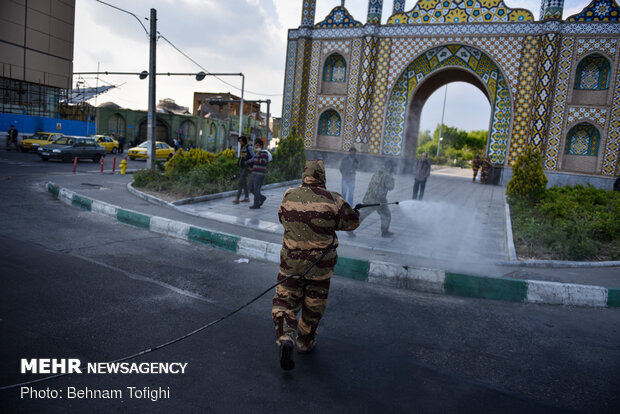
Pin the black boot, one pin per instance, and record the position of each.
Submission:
(286, 355)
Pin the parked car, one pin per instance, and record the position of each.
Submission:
(67, 148)
(162, 151)
(109, 143)
(39, 139)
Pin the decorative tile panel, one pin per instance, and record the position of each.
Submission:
(524, 98)
(460, 11)
(598, 11)
(341, 46)
(552, 150)
(367, 81)
(311, 95)
(354, 68)
(595, 115)
(612, 147)
(450, 56)
(301, 73)
(551, 10)
(589, 44)
(544, 89)
(307, 12)
(379, 95)
(375, 8)
(339, 17)
(289, 78)
(506, 51)
(399, 6)
(335, 102)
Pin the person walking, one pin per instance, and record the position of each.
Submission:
(11, 138)
(486, 167)
(348, 167)
(121, 144)
(475, 165)
(310, 215)
(259, 169)
(421, 171)
(381, 182)
(244, 162)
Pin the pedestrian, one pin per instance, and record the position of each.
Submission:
(175, 144)
(475, 165)
(121, 144)
(617, 184)
(381, 182)
(310, 215)
(11, 138)
(348, 167)
(486, 167)
(244, 162)
(421, 171)
(259, 169)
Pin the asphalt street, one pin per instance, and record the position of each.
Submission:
(78, 285)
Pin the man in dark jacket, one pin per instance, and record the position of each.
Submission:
(244, 162)
(310, 215)
(12, 138)
(348, 167)
(259, 169)
(421, 171)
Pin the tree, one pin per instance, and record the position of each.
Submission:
(528, 181)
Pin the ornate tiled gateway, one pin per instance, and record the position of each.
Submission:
(542, 78)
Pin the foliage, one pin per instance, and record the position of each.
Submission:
(569, 223)
(198, 172)
(458, 147)
(289, 160)
(528, 179)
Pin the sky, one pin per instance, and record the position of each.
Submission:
(231, 36)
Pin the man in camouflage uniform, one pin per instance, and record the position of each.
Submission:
(380, 183)
(475, 165)
(486, 167)
(310, 215)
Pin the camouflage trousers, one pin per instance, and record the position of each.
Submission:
(311, 299)
(383, 212)
(475, 169)
(484, 176)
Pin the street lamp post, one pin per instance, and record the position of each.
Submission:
(152, 117)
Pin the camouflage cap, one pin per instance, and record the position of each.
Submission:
(314, 173)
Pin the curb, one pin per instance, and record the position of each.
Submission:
(388, 274)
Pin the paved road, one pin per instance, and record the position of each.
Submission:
(80, 285)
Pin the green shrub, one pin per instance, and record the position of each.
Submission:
(528, 179)
(569, 223)
(288, 161)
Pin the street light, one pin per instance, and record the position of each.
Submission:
(438, 145)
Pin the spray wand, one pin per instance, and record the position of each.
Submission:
(359, 205)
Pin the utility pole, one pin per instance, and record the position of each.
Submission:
(152, 120)
(443, 111)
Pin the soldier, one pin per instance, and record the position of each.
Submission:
(380, 183)
(486, 167)
(310, 215)
(244, 162)
(475, 165)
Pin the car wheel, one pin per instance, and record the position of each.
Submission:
(96, 158)
(67, 158)
(44, 159)
(132, 158)
(114, 150)
(169, 156)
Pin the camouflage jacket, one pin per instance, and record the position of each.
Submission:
(311, 214)
(380, 183)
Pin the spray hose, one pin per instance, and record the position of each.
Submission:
(358, 206)
(302, 281)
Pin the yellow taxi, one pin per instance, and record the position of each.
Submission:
(162, 151)
(38, 140)
(109, 143)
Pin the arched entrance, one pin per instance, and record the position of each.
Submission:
(428, 72)
(162, 130)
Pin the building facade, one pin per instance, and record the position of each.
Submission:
(552, 84)
(36, 55)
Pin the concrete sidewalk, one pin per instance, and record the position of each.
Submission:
(452, 242)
